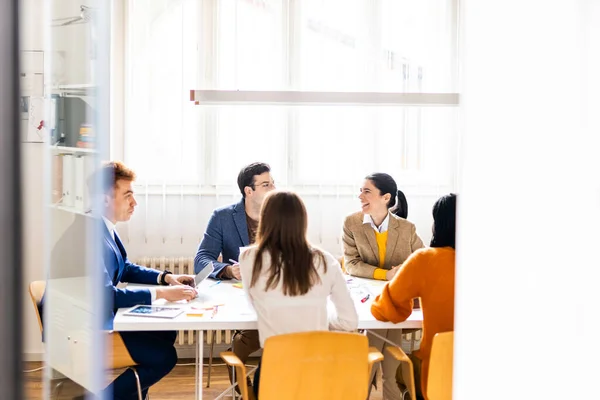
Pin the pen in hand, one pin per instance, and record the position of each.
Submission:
(234, 269)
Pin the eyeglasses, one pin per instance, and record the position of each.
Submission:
(264, 185)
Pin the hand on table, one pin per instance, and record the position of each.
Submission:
(174, 280)
(390, 274)
(176, 292)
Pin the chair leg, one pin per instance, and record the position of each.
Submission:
(210, 356)
(137, 380)
(56, 390)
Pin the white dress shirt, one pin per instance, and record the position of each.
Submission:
(111, 228)
(279, 314)
(382, 228)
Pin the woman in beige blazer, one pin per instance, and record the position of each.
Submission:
(376, 241)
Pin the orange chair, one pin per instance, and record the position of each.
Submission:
(439, 379)
(311, 365)
(119, 356)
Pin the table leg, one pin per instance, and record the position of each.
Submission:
(199, 362)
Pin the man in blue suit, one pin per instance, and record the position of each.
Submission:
(154, 352)
(230, 228)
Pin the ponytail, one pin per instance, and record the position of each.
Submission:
(401, 209)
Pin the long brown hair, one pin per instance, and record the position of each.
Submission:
(282, 233)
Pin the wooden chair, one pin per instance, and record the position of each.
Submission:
(439, 379)
(36, 292)
(119, 356)
(311, 365)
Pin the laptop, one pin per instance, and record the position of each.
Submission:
(203, 274)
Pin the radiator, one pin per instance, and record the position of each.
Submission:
(184, 265)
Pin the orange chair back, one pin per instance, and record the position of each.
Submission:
(439, 380)
(316, 366)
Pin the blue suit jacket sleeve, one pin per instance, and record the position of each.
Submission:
(133, 273)
(127, 297)
(211, 246)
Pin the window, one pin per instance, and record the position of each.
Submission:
(175, 46)
(334, 46)
(162, 140)
(249, 44)
(245, 135)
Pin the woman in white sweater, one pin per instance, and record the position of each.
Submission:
(288, 281)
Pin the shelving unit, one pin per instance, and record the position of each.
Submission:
(72, 210)
(71, 235)
(77, 89)
(81, 86)
(73, 150)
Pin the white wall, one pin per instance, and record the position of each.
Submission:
(527, 295)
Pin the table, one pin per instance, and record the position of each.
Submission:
(234, 312)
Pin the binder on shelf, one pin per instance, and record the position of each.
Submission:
(86, 136)
(68, 198)
(84, 168)
(79, 183)
(88, 168)
(57, 178)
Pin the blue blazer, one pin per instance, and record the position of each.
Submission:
(226, 232)
(117, 268)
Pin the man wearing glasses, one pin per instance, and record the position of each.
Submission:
(230, 228)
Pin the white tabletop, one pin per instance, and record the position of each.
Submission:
(234, 311)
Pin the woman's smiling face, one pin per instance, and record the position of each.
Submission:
(371, 200)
